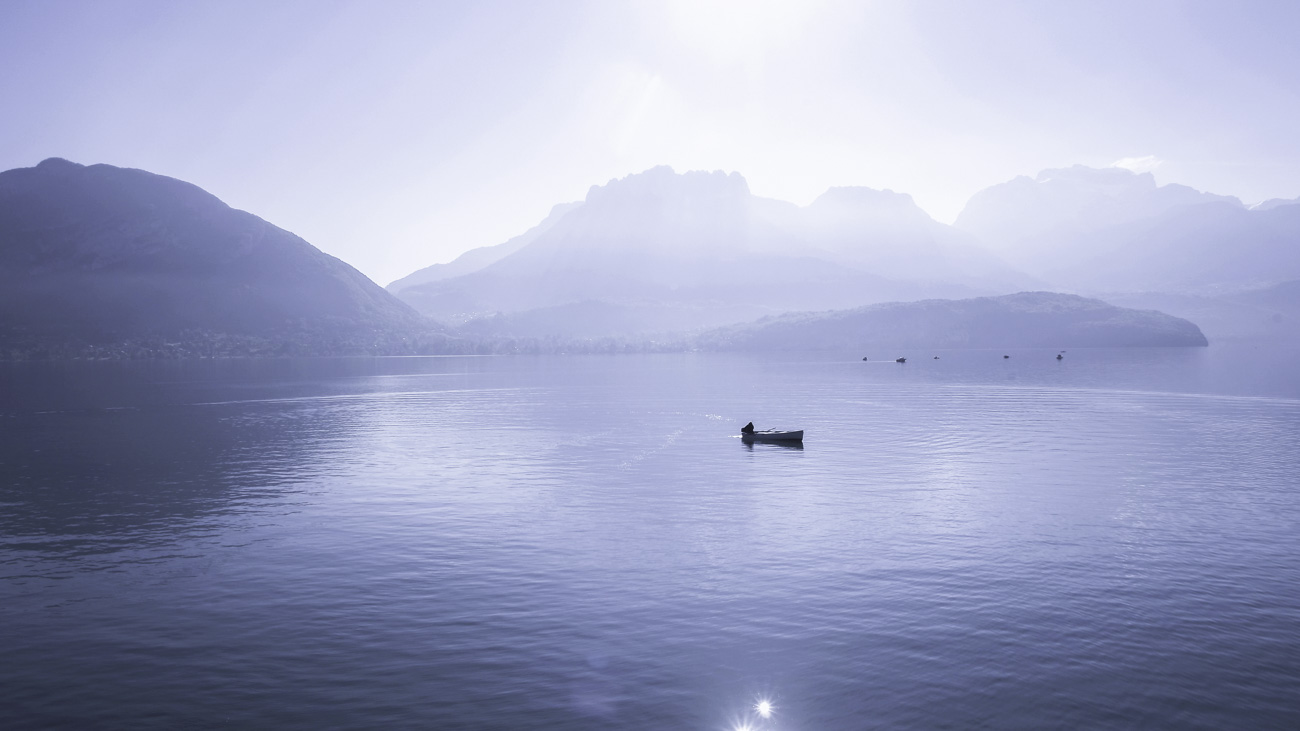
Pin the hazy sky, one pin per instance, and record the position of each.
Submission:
(399, 134)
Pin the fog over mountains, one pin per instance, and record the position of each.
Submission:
(1118, 235)
(1272, 203)
(661, 251)
(1023, 217)
(1115, 230)
(105, 260)
(476, 259)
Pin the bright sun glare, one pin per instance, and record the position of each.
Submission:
(736, 29)
(764, 708)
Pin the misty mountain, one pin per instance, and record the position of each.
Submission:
(1023, 320)
(699, 249)
(475, 259)
(1112, 230)
(96, 255)
(1024, 214)
(1194, 249)
(1272, 203)
(887, 233)
(1266, 314)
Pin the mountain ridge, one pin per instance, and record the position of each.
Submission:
(98, 255)
(1077, 197)
(483, 256)
(1111, 231)
(659, 238)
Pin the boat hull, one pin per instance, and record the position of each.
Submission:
(773, 436)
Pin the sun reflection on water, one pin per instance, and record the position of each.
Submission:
(755, 716)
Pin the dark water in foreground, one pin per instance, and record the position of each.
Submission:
(582, 543)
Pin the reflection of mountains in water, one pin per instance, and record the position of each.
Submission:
(104, 451)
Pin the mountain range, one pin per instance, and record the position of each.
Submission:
(106, 261)
(673, 251)
(1116, 234)
(1113, 230)
(658, 251)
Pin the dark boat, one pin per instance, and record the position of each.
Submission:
(772, 435)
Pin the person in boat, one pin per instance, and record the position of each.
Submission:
(748, 428)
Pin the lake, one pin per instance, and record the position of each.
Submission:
(582, 542)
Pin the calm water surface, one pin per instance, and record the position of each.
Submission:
(1112, 540)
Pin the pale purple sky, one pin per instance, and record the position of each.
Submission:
(398, 134)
